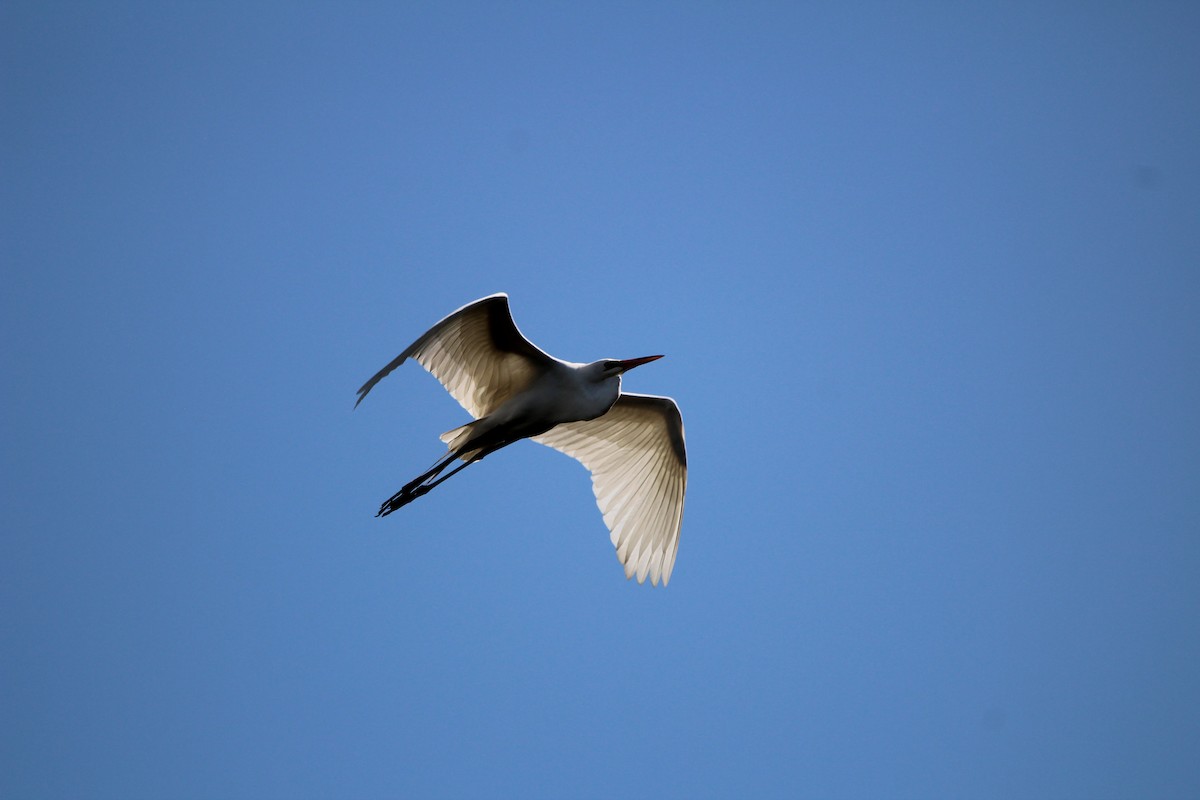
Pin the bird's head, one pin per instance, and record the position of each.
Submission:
(614, 368)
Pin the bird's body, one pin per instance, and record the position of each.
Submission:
(562, 392)
(632, 444)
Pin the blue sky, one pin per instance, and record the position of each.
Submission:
(927, 276)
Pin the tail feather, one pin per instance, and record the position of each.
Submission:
(455, 438)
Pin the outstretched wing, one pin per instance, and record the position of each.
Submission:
(636, 455)
(477, 353)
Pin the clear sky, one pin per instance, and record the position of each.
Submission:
(927, 276)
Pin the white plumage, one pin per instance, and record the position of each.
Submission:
(631, 443)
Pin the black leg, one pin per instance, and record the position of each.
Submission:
(417, 487)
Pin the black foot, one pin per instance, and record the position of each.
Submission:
(402, 498)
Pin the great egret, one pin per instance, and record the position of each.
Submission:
(631, 443)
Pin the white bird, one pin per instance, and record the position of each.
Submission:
(631, 443)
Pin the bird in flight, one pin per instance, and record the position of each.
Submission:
(631, 443)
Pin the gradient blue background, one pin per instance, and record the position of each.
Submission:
(928, 280)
